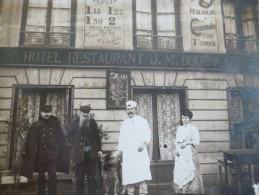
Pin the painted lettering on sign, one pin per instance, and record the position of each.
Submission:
(104, 25)
(203, 26)
(112, 58)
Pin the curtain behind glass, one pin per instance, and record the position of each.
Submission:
(145, 110)
(168, 113)
(165, 18)
(58, 102)
(249, 29)
(230, 20)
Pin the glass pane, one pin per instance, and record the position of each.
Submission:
(165, 6)
(144, 21)
(145, 110)
(61, 17)
(249, 28)
(27, 113)
(247, 13)
(61, 3)
(39, 21)
(165, 22)
(229, 9)
(58, 102)
(168, 107)
(230, 25)
(143, 5)
(38, 3)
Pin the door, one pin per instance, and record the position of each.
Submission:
(28, 101)
(162, 110)
(243, 118)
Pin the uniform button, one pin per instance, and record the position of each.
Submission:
(50, 133)
(50, 128)
(81, 143)
(82, 138)
(43, 134)
(42, 141)
(44, 146)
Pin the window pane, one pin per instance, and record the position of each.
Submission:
(230, 25)
(165, 6)
(61, 17)
(144, 22)
(249, 28)
(166, 24)
(229, 9)
(61, 3)
(36, 23)
(247, 13)
(143, 6)
(38, 3)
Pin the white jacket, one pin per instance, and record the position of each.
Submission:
(136, 165)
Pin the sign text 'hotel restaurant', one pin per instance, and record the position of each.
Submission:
(118, 58)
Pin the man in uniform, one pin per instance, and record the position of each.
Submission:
(86, 147)
(134, 136)
(45, 150)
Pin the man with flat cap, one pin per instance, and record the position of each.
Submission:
(45, 150)
(86, 148)
(135, 134)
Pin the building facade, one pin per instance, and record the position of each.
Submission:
(167, 55)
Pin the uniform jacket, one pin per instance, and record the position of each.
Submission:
(91, 135)
(53, 141)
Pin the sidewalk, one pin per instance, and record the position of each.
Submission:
(66, 188)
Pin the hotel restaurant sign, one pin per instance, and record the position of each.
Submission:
(51, 57)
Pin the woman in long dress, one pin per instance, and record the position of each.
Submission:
(187, 174)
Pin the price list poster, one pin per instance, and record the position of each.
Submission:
(104, 24)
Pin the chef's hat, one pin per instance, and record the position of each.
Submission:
(131, 103)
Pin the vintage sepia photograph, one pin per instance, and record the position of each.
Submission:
(129, 97)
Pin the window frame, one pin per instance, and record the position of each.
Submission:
(240, 40)
(48, 24)
(154, 41)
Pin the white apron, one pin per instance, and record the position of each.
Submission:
(136, 165)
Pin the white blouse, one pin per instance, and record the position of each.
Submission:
(184, 167)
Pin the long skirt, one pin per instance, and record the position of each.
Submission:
(196, 185)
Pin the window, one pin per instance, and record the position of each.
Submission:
(240, 26)
(48, 23)
(157, 24)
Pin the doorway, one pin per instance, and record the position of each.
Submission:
(162, 108)
(27, 103)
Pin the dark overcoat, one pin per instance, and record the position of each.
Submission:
(91, 135)
(29, 158)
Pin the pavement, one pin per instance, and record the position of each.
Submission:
(63, 188)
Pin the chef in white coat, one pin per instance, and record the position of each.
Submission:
(134, 136)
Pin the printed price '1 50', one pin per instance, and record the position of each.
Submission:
(99, 21)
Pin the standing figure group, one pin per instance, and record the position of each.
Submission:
(46, 150)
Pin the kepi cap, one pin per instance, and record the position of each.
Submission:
(131, 103)
(85, 109)
(46, 108)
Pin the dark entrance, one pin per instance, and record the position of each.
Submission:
(27, 103)
(243, 118)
